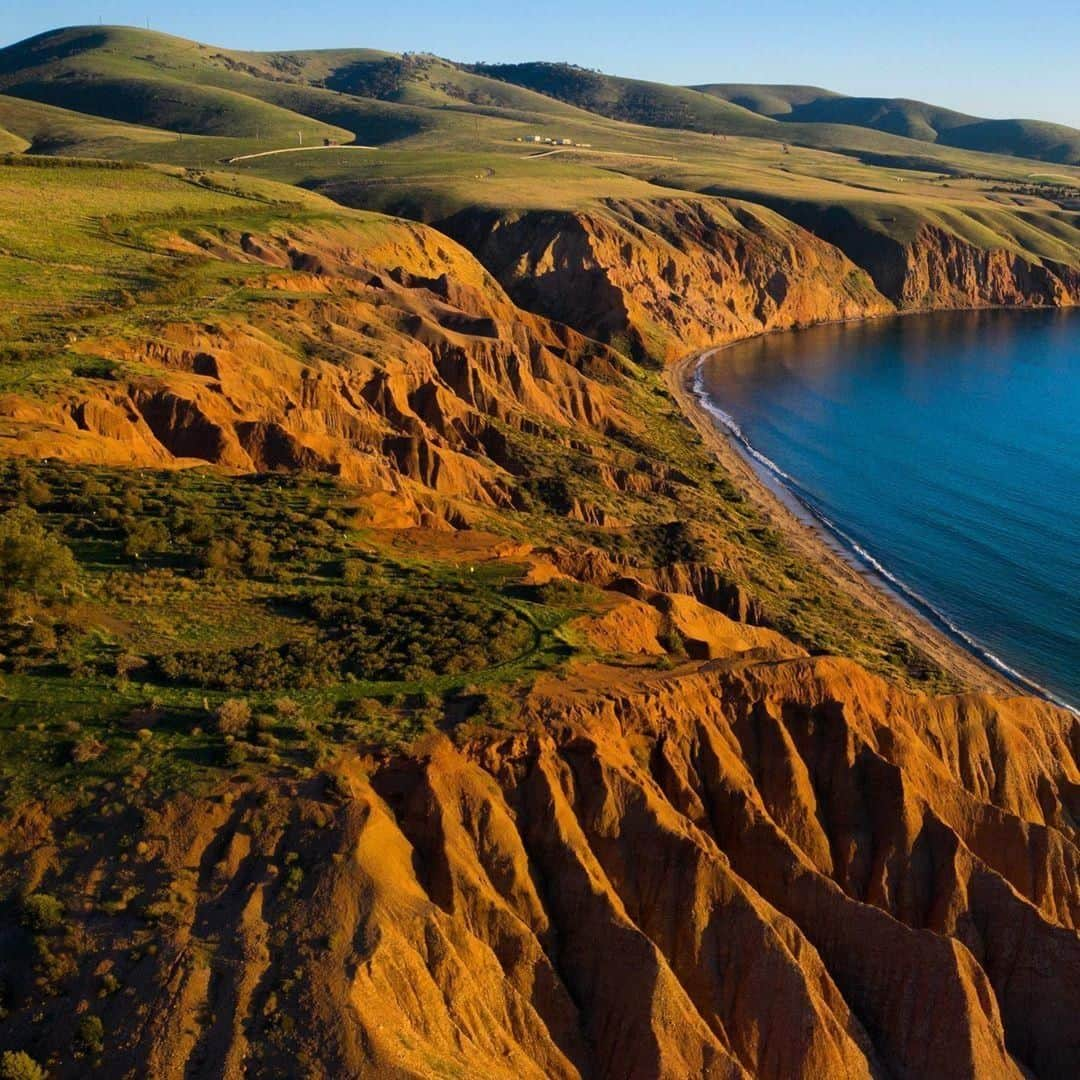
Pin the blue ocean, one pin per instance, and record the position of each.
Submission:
(942, 452)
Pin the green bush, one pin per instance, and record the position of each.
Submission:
(17, 1065)
(32, 558)
(90, 1035)
(378, 633)
(233, 717)
(42, 912)
(145, 537)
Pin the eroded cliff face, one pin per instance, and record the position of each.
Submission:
(939, 269)
(776, 868)
(398, 367)
(663, 277)
(399, 362)
(667, 276)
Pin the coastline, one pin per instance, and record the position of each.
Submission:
(811, 538)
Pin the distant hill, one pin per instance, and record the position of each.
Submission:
(809, 111)
(239, 102)
(160, 81)
(632, 100)
(910, 119)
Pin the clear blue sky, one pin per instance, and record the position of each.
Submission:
(991, 58)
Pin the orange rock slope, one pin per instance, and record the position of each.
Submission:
(666, 276)
(749, 867)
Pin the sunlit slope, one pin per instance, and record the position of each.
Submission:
(148, 79)
(901, 116)
(35, 128)
(154, 79)
(264, 100)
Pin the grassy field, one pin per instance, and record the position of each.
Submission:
(98, 267)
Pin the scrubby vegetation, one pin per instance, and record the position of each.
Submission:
(187, 620)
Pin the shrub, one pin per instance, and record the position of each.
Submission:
(87, 749)
(126, 663)
(222, 556)
(286, 708)
(90, 1034)
(17, 1065)
(258, 558)
(32, 558)
(294, 880)
(233, 716)
(41, 912)
(145, 537)
(353, 571)
(35, 492)
(383, 633)
(672, 641)
(566, 593)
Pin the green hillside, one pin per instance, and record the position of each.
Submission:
(249, 102)
(809, 115)
(153, 79)
(911, 119)
(632, 100)
(46, 129)
(767, 99)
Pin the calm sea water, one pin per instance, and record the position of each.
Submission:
(943, 452)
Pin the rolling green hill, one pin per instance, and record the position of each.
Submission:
(147, 78)
(46, 129)
(767, 99)
(152, 80)
(248, 102)
(811, 116)
(632, 100)
(911, 119)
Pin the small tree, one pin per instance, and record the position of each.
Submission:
(32, 558)
(18, 1065)
(233, 716)
(40, 911)
(145, 537)
(90, 1035)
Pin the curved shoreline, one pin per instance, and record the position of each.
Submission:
(850, 568)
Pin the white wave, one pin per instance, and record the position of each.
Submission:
(793, 490)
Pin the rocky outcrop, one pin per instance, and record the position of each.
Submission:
(773, 868)
(666, 276)
(393, 378)
(921, 264)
